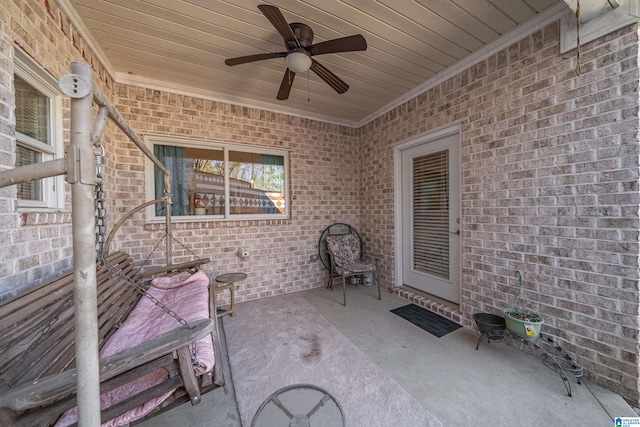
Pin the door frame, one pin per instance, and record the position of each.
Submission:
(424, 138)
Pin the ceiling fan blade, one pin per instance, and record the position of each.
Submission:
(252, 58)
(344, 44)
(285, 86)
(332, 80)
(276, 18)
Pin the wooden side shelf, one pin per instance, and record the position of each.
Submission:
(228, 281)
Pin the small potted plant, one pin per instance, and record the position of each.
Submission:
(521, 321)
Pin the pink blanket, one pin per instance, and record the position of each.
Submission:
(186, 295)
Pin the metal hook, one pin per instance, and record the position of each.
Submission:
(99, 160)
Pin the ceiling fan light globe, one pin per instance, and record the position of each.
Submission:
(298, 62)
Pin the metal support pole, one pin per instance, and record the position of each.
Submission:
(80, 166)
(83, 179)
(32, 172)
(103, 101)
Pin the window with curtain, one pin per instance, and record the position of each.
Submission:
(37, 131)
(211, 181)
(431, 214)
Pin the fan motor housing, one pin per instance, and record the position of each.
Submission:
(303, 33)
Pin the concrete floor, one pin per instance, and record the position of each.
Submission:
(496, 385)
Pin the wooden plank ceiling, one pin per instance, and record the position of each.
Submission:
(183, 44)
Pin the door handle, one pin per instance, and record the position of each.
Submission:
(455, 232)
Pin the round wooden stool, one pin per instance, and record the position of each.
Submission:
(228, 281)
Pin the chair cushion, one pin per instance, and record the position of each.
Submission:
(359, 267)
(345, 248)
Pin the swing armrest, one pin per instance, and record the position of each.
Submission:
(42, 391)
(170, 270)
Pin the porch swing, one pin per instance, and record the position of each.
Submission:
(48, 364)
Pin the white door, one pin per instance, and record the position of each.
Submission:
(431, 217)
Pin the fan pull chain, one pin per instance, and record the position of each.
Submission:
(308, 87)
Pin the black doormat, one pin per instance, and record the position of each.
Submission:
(427, 320)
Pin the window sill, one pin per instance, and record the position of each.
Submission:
(212, 221)
(45, 218)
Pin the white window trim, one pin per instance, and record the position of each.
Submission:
(151, 140)
(52, 188)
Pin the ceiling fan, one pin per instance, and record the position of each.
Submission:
(298, 40)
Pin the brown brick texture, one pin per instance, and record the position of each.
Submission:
(324, 189)
(549, 170)
(549, 183)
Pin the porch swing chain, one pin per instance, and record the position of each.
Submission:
(101, 231)
(100, 211)
(173, 239)
(142, 291)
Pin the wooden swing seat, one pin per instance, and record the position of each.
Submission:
(37, 354)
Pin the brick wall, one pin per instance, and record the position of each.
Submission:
(324, 188)
(549, 183)
(549, 187)
(8, 220)
(37, 246)
(33, 246)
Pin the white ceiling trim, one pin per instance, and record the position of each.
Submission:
(187, 90)
(545, 18)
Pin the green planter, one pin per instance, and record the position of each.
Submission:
(523, 323)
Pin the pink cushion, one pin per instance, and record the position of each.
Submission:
(188, 297)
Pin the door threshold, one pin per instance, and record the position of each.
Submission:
(432, 303)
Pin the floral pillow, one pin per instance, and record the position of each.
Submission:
(345, 248)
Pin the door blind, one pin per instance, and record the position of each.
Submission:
(431, 214)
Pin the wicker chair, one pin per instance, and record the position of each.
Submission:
(347, 260)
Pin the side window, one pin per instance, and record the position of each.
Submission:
(220, 181)
(38, 134)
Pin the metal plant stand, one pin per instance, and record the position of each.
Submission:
(551, 354)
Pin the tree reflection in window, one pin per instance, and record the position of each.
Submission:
(256, 181)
